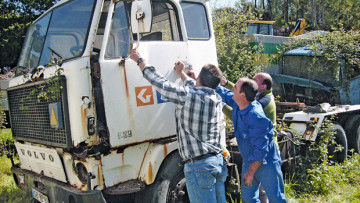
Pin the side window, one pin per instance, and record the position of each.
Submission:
(252, 29)
(119, 39)
(196, 21)
(164, 24)
(34, 41)
(264, 29)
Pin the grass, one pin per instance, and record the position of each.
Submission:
(6, 140)
(9, 192)
(344, 181)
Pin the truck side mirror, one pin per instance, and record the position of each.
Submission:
(141, 16)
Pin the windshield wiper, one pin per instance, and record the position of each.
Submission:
(21, 70)
(54, 52)
(54, 60)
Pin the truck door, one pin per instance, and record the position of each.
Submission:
(134, 110)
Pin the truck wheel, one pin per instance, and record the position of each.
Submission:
(353, 133)
(169, 185)
(340, 138)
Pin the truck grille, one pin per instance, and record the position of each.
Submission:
(30, 120)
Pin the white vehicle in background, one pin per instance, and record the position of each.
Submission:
(346, 126)
(87, 126)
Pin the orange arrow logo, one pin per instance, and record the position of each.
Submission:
(144, 96)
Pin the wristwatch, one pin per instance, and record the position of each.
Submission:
(227, 82)
(140, 60)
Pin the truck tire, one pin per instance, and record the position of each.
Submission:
(352, 128)
(340, 138)
(169, 185)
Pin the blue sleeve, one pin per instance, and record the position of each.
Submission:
(226, 95)
(264, 101)
(258, 130)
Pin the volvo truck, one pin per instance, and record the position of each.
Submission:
(87, 126)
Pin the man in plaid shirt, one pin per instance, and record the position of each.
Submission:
(198, 120)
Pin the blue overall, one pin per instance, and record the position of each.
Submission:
(254, 134)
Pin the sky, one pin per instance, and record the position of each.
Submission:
(222, 3)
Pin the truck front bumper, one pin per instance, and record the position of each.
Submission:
(54, 190)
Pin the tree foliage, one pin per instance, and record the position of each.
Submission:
(15, 18)
(339, 47)
(235, 55)
(319, 14)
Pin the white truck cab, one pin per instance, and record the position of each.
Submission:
(87, 126)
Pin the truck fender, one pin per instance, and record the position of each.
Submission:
(153, 159)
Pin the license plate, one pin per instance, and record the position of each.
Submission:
(39, 196)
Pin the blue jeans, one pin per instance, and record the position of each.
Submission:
(205, 179)
(271, 178)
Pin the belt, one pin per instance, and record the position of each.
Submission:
(197, 158)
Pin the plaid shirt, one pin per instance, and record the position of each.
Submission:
(198, 114)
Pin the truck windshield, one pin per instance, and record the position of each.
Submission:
(258, 28)
(61, 33)
(320, 70)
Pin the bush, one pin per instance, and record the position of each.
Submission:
(315, 173)
(6, 142)
(237, 58)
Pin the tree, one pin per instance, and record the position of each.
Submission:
(15, 18)
(320, 14)
(340, 47)
(235, 55)
(286, 11)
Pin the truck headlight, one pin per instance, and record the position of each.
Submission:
(81, 172)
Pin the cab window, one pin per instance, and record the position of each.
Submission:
(61, 33)
(264, 29)
(196, 21)
(67, 32)
(164, 27)
(119, 38)
(164, 23)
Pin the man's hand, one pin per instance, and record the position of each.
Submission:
(248, 178)
(134, 55)
(249, 175)
(179, 67)
(224, 81)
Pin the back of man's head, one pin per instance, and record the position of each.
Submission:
(266, 79)
(250, 88)
(210, 76)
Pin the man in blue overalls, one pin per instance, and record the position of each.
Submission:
(254, 134)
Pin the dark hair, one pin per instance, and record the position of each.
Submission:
(210, 76)
(268, 82)
(250, 88)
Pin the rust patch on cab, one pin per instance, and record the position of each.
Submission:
(165, 150)
(150, 173)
